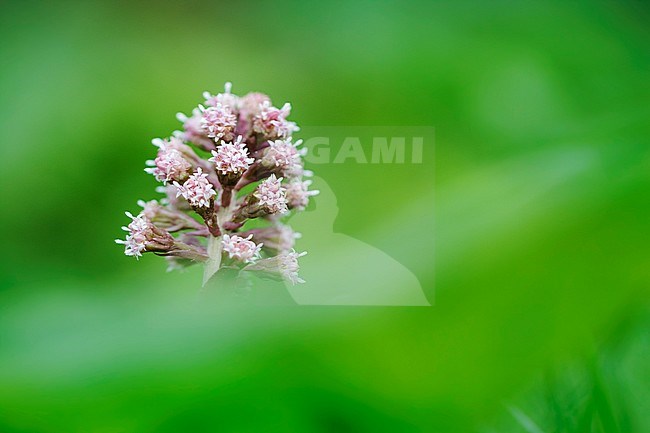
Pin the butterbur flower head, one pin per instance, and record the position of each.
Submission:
(289, 266)
(284, 265)
(239, 248)
(271, 195)
(225, 99)
(218, 122)
(282, 154)
(138, 223)
(136, 240)
(231, 158)
(297, 194)
(197, 190)
(143, 236)
(169, 165)
(207, 201)
(272, 121)
(251, 104)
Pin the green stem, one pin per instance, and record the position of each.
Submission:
(214, 258)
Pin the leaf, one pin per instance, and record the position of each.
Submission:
(213, 263)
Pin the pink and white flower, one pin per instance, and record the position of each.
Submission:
(169, 165)
(273, 122)
(218, 122)
(242, 249)
(231, 158)
(283, 153)
(284, 265)
(297, 194)
(271, 195)
(197, 190)
(144, 236)
(136, 241)
(289, 266)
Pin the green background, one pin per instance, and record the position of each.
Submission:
(534, 202)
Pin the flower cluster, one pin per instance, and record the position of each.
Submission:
(271, 195)
(298, 193)
(169, 163)
(231, 160)
(284, 264)
(197, 190)
(218, 122)
(272, 122)
(242, 249)
(227, 143)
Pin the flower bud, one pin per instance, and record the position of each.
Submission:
(267, 199)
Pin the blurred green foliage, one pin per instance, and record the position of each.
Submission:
(534, 203)
(605, 391)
